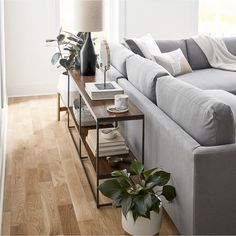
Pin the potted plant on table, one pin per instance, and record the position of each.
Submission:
(68, 49)
(139, 197)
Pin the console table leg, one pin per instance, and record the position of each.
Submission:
(58, 106)
(97, 165)
(143, 140)
(80, 123)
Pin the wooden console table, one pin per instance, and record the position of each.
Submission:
(101, 116)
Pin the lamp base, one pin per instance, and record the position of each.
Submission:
(88, 58)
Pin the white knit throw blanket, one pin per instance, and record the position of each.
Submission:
(216, 53)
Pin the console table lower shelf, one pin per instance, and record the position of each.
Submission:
(100, 167)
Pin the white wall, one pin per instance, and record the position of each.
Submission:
(3, 111)
(164, 19)
(28, 24)
(113, 17)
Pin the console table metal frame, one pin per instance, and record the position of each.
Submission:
(114, 119)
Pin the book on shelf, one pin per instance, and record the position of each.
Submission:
(102, 94)
(107, 147)
(111, 147)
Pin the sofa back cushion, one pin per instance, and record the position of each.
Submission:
(208, 120)
(196, 56)
(171, 45)
(119, 54)
(231, 44)
(143, 73)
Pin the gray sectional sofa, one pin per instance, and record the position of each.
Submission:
(189, 131)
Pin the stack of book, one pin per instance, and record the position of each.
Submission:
(95, 93)
(107, 147)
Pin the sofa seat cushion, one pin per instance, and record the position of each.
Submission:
(211, 79)
(227, 98)
(143, 73)
(208, 120)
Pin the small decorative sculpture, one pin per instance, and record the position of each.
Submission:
(105, 63)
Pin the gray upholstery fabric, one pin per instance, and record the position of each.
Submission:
(171, 45)
(214, 194)
(226, 97)
(119, 54)
(211, 79)
(112, 74)
(196, 56)
(134, 47)
(143, 73)
(231, 44)
(205, 118)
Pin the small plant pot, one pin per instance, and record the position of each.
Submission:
(142, 226)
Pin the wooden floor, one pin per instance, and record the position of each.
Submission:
(46, 192)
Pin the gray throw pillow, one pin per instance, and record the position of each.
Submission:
(196, 56)
(208, 120)
(143, 73)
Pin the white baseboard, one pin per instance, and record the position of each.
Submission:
(31, 89)
(31, 95)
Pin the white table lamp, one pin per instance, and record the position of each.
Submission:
(88, 17)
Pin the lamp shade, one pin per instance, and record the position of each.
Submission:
(88, 15)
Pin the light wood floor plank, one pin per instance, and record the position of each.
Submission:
(50, 210)
(31, 181)
(68, 219)
(6, 224)
(7, 194)
(34, 214)
(83, 208)
(44, 173)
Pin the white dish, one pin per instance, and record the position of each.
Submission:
(113, 109)
(111, 135)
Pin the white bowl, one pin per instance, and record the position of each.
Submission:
(110, 135)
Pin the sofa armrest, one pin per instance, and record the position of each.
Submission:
(113, 74)
(214, 190)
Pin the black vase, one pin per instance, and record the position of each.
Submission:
(88, 58)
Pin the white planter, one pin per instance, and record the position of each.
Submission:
(142, 226)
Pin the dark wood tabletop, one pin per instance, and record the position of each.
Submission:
(98, 108)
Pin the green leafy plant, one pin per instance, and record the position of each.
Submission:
(142, 195)
(69, 46)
